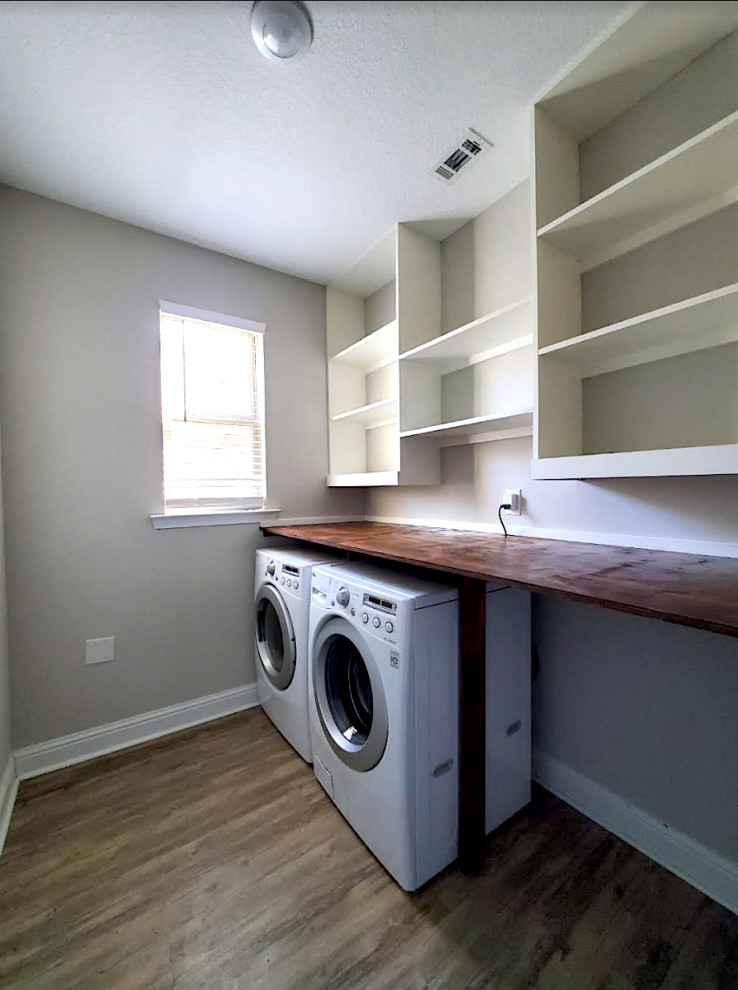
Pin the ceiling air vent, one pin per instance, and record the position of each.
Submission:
(471, 147)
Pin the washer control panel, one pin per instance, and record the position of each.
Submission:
(374, 614)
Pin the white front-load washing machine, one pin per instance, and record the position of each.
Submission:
(384, 710)
(282, 606)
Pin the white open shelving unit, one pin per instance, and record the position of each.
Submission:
(636, 258)
(365, 309)
(430, 344)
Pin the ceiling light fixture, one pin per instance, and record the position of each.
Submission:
(281, 29)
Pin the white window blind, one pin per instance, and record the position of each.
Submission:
(212, 400)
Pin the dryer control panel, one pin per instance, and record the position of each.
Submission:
(287, 577)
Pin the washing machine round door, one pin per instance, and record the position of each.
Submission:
(349, 695)
(275, 638)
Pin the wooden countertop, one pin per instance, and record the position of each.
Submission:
(688, 589)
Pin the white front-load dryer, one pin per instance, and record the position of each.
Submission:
(282, 605)
(383, 721)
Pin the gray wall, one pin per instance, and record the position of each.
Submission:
(475, 476)
(5, 746)
(643, 708)
(646, 708)
(79, 402)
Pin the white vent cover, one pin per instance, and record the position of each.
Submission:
(459, 159)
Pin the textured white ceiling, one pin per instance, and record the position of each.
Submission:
(165, 115)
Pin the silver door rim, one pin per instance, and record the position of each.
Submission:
(368, 754)
(281, 679)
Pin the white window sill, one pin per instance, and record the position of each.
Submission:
(180, 518)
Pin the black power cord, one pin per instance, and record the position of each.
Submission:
(505, 505)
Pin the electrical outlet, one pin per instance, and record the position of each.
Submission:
(100, 650)
(514, 498)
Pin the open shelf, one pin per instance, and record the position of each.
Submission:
(371, 352)
(674, 462)
(374, 414)
(697, 170)
(472, 342)
(367, 479)
(473, 426)
(640, 53)
(693, 324)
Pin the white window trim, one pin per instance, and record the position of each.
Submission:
(186, 518)
(177, 517)
(209, 316)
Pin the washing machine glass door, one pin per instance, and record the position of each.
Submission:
(349, 695)
(275, 638)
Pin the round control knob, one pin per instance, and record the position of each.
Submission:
(289, 582)
(364, 617)
(271, 568)
(282, 580)
(376, 623)
(389, 626)
(343, 597)
(296, 585)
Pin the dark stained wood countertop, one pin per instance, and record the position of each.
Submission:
(688, 589)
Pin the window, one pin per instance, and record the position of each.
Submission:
(212, 401)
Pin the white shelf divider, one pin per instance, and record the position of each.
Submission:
(474, 425)
(473, 342)
(703, 321)
(371, 352)
(696, 170)
(374, 414)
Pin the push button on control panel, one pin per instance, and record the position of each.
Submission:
(364, 617)
(389, 626)
(376, 622)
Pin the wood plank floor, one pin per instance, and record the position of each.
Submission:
(212, 860)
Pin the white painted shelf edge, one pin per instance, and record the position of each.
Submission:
(458, 334)
(369, 479)
(374, 414)
(672, 462)
(570, 219)
(372, 351)
(476, 424)
(704, 311)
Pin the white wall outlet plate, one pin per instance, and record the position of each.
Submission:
(100, 650)
(514, 498)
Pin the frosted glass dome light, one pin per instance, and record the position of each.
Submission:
(281, 29)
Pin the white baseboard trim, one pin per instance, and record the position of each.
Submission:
(701, 867)
(704, 547)
(79, 746)
(8, 791)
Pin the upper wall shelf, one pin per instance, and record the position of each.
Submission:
(374, 414)
(690, 325)
(636, 228)
(399, 297)
(372, 351)
(697, 170)
(670, 462)
(635, 57)
(471, 343)
(365, 479)
(474, 426)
